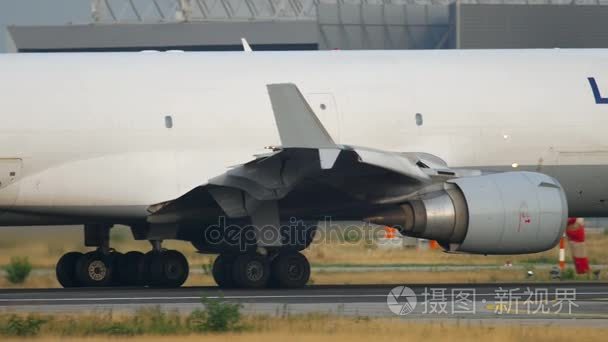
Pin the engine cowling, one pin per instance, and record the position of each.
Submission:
(503, 213)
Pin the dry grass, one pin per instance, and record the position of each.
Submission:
(33, 282)
(364, 254)
(334, 329)
(426, 277)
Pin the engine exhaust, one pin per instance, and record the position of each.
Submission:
(439, 215)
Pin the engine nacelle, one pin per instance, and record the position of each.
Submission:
(503, 213)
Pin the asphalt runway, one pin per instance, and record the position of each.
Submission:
(541, 302)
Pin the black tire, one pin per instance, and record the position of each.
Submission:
(222, 271)
(66, 269)
(94, 269)
(290, 270)
(175, 269)
(153, 268)
(116, 260)
(251, 271)
(130, 269)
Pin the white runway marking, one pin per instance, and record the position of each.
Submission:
(189, 297)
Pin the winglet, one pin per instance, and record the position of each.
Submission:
(297, 123)
(246, 46)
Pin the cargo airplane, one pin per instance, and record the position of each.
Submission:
(486, 152)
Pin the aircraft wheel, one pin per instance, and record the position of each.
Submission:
(66, 269)
(130, 269)
(153, 268)
(94, 269)
(251, 271)
(116, 262)
(290, 270)
(166, 268)
(222, 271)
(175, 268)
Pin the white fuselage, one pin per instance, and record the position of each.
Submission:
(90, 129)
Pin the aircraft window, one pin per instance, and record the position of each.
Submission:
(418, 119)
(323, 106)
(168, 121)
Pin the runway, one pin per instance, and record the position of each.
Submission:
(541, 301)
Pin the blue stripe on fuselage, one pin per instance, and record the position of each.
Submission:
(596, 92)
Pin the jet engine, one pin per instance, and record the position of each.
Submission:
(502, 213)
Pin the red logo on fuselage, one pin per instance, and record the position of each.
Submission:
(524, 217)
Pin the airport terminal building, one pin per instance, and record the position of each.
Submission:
(218, 25)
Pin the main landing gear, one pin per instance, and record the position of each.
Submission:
(166, 268)
(279, 270)
(105, 267)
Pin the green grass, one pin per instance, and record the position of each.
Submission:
(14, 325)
(216, 317)
(18, 270)
(541, 259)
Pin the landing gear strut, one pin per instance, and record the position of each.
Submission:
(284, 269)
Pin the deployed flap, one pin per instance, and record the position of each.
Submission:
(230, 200)
(298, 125)
(266, 220)
(393, 162)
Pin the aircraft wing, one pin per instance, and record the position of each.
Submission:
(308, 157)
